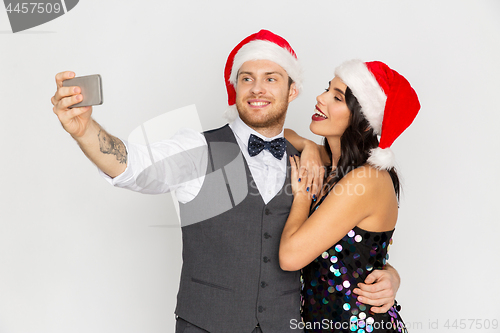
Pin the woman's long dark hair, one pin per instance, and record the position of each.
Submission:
(356, 143)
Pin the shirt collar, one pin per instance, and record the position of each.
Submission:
(243, 131)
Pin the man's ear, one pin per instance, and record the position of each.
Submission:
(293, 92)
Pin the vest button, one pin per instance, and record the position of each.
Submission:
(267, 211)
(267, 235)
(266, 260)
(263, 284)
(261, 309)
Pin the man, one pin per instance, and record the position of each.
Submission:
(231, 184)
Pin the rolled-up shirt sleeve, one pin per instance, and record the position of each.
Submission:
(177, 164)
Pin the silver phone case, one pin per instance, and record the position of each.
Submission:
(91, 86)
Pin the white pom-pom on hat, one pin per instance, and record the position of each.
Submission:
(382, 158)
(231, 113)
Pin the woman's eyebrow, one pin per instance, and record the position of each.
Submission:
(340, 91)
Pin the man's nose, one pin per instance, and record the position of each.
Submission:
(258, 88)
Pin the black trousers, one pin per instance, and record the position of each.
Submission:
(183, 326)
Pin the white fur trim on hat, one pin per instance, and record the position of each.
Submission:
(231, 113)
(365, 87)
(265, 50)
(382, 159)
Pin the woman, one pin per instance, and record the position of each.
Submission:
(348, 230)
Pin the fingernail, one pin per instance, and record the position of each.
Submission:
(314, 197)
(307, 189)
(300, 179)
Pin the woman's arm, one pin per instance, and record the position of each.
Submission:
(358, 196)
(305, 238)
(357, 199)
(303, 144)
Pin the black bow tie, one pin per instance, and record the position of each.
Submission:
(277, 146)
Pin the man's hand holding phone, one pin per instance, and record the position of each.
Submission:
(74, 120)
(107, 152)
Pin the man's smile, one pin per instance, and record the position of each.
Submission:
(258, 103)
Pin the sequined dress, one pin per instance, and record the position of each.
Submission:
(328, 303)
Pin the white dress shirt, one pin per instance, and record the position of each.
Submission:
(180, 164)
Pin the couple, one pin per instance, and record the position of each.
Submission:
(241, 263)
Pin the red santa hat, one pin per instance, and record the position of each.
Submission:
(263, 45)
(387, 101)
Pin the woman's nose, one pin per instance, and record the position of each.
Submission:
(319, 98)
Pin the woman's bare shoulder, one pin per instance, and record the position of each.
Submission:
(370, 176)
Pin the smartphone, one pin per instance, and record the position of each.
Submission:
(91, 86)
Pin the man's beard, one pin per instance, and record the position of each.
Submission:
(272, 119)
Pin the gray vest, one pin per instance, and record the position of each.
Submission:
(231, 279)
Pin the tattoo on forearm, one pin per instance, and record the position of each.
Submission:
(111, 145)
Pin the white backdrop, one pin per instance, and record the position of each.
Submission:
(77, 255)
